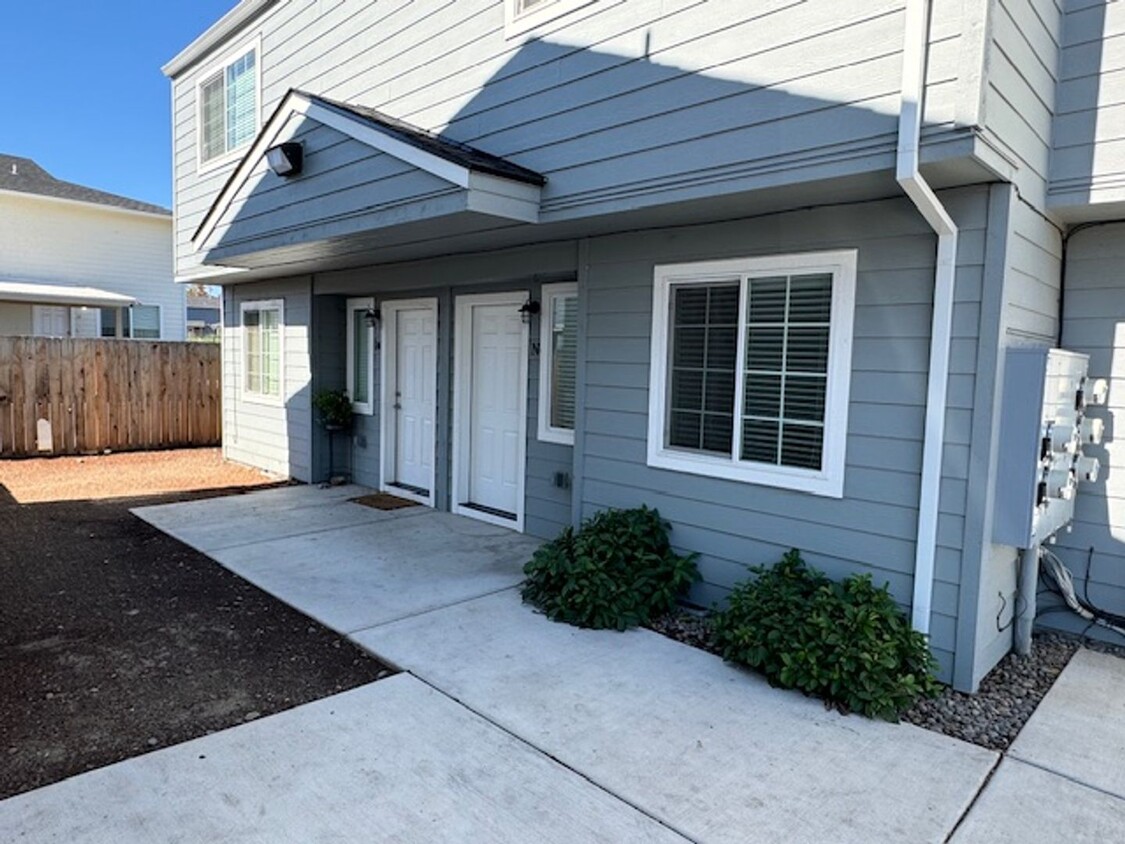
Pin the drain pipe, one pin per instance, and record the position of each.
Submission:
(914, 55)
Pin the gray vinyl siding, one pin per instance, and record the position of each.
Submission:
(1088, 159)
(329, 372)
(276, 438)
(733, 525)
(1095, 310)
(663, 101)
(547, 506)
(1020, 85)
(346, 187)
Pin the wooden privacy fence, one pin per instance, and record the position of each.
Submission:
(69, 396)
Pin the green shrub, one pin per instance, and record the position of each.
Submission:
(846, 642)
(617, 571)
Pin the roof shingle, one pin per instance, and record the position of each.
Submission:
(25, 176)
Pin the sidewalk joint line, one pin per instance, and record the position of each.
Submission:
(604, 789)
(1067, 777)
(427, 611)
(976, 797)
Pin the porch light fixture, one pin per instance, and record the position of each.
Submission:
(529, 309)
(286, 159)
(373, 316)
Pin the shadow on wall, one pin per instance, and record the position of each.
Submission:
(1094, 323)
(1081, 78)
(612, 133)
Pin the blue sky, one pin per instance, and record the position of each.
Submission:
(83, 94)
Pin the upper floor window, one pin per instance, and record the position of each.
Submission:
(523, 15)
(751, 364)
(228, 107)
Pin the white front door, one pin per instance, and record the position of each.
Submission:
(415, 356)
(491, 416)
(409, 397)
(50, 321)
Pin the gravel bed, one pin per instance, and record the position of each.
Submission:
(991, 718)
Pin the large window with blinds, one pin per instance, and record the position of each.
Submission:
(138, 322)
(262, 354)
(361, 354)
(228, 107)
(750, 374)
(558, 362)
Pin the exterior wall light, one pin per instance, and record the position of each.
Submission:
(529, 309)
(286, 159)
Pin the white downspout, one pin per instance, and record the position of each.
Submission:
(914, 55)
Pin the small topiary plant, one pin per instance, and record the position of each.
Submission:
(617, 571)
(846, 642)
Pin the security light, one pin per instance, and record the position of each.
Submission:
(286, 159)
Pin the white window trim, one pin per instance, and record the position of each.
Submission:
(159, 321)
(550, 293)
(367, 408)
(829, 480)
(518, 22)
(262, 305)
(228, 59)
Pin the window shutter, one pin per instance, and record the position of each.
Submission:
(240, 101)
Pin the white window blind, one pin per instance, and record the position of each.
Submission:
(145, 322)
(361, 374)
(751, 369)
(228, 107)
(558, 344)
(262, 353)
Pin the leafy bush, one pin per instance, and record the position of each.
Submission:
(334, 408)
(617, 571)
(846, 642)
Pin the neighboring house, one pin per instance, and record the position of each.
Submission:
(79, 262)
(574, 254)
(204, 316)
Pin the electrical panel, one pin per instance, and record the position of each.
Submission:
(1044, 428)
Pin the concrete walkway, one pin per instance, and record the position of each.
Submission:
(511, 728)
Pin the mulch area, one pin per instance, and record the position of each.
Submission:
(116, 640)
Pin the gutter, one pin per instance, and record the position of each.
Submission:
(914, 56)
(216, 34)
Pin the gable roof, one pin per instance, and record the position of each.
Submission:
(456, 152)
(451, 160)
(22, 175)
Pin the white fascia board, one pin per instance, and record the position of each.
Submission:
(500, 197)
(217, 34)
(62, 294)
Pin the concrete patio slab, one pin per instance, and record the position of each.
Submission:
(1023, 804)
(210, 524)
(348, 566)
(391, 761)
(1079, 728)
(712, 751)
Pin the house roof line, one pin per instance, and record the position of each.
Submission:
(216, 35)
(23, 176)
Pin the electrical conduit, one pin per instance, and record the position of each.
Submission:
(914, 55)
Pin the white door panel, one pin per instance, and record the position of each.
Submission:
(413, 406)
(495, 414)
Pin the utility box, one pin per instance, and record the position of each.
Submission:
(1043, 430)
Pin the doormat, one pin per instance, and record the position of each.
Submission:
(384, 501)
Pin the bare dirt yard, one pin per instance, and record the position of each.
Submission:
(116, 639)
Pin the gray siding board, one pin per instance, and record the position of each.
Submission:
(603, 120)
(874, 525)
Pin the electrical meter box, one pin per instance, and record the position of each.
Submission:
(1044, 427)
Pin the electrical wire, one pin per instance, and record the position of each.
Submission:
(1057, 572)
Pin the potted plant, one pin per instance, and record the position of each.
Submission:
(334, 408)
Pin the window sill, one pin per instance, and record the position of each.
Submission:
(797, 480)
(363, 409)
(218, 163)
(261, 398)
(559, 436)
